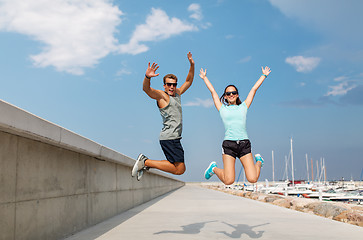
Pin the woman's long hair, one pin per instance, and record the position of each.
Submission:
(224, 101)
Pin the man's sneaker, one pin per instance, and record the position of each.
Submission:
(209, 171)
(258, 158)
(139, 164)
(141, 173)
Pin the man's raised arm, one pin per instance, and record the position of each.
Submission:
(150, 72)
(190, 77)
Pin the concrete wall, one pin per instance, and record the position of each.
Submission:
(54, 182)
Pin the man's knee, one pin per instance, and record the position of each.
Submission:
(180, 168)
(180, 172)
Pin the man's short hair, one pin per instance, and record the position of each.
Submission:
(172, 76)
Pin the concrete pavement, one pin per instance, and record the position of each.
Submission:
(192, 212)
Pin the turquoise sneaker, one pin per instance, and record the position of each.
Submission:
(258, 158)
(209, 171)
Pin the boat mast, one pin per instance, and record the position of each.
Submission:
(324, 170)
(322, 166)
(292, 165)
(317, 171)
(307, 166)
(287, 173)
(312, 170)
(273, 167)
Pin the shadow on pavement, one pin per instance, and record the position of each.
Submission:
(193, 228)
(240, 229)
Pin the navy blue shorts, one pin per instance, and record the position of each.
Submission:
(236, 148)
(173, 150)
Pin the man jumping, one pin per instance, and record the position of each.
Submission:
(169, 103)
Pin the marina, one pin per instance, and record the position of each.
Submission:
(316, 188)
(348, 192)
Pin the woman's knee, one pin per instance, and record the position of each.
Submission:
(252, 179)
(228, 180)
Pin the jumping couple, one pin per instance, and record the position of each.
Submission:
(232, 111)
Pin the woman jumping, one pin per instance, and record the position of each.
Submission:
(236, 143)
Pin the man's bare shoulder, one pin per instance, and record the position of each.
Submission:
(163, 101)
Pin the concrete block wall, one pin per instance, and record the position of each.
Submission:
(54, 182)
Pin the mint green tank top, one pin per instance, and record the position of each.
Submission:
(172, 119)
(234, 119)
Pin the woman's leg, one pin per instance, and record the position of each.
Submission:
(227, 174)
(252, 169)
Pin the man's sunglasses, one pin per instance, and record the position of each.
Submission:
(171, 84)
(229, 93)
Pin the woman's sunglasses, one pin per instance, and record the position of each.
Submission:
(229, 93)
(171, 84)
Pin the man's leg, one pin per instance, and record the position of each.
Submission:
(173, 151)
(176, 168)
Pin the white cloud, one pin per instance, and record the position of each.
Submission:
(344, 84)
(75, 33)
(340, 89)
(206, 25)
(207, 103)
(197, 14)
(196, 11)
(339, 79)
(245, 59)
(158, 26)
(123, 71)
(303, 64)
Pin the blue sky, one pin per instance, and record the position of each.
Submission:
(80, 64)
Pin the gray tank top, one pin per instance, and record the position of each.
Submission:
(172, 119)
